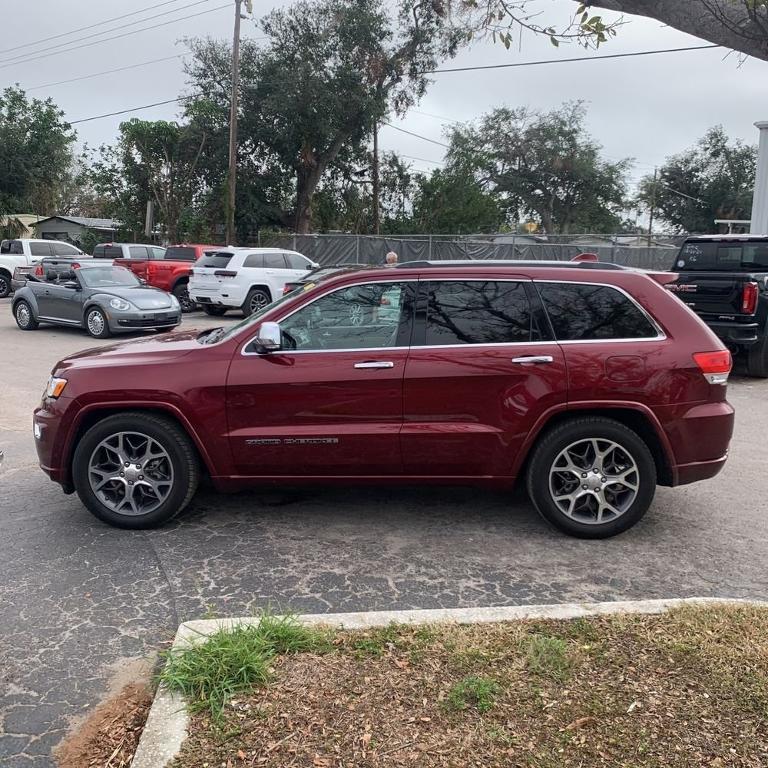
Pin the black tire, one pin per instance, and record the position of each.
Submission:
(181, 292)
(25, 317)
(96, 323)
(603, 430)
(214, 311)
(5, 285)
(257, 299)
(757, 359)
(176, 443)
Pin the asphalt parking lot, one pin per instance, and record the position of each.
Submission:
(81, 602)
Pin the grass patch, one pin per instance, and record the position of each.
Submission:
(233, 660)
(547, 656)
(686, 689)
(477, 692)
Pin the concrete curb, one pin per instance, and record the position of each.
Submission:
(167, 723)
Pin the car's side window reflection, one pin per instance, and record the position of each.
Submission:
(357, 317)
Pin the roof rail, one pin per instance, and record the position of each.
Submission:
(424, 263)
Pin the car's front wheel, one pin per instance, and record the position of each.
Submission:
(135, 470)
(592, 477)
(25, 317)
(96, 323)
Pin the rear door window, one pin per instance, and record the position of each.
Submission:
(64, 249)
(593, 312)
(40, 249)
(138, 252)
(215, 260)
(478, 312)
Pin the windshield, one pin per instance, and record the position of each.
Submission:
(725, 255)
(180, 253)
(219, 334)
(108, 277)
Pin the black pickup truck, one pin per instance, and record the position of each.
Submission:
(724, 279)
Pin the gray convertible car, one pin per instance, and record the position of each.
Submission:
(98, 297)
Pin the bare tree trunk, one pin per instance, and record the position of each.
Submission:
(731, 23)
(306, 184)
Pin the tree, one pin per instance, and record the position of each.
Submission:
(545, 166)
(738, 24)
(35, 153)
(454, 202)
(166, 154)
(712, 180)
(329, 71)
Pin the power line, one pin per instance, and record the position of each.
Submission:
(106, 72)
(115, 37)
(569, 61)
(90, 26)
(418, 136)
(51, 49)
(134, 109)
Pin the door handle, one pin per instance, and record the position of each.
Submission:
(375, 364)
(533, 359)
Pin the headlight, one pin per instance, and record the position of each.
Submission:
(55, 387)
(120, 304)
(175, 302)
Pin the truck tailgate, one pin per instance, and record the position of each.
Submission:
(712, 293)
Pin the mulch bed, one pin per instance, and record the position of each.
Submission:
(684, 689)
(110, 735)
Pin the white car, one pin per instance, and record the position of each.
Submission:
(244, 278)
(25, 253)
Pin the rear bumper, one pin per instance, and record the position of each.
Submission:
(17, 284)
(735, 333)
(700, 436)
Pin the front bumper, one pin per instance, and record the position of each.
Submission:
(125, 322)
(51, 424)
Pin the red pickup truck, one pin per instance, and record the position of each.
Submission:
(171, 271)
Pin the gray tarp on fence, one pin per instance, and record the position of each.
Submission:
(366, 249)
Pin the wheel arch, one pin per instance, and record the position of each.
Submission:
(264, 286)
(91, 416)
(635, 417)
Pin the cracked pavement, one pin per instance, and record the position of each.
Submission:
(80, 601)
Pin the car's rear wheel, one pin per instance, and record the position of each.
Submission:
(25, 317)
(257, 299)
(5, 285)
(592, 477)
(181, 292)
(214, 311)
(757, 359)
(135, 470)
(96, 323)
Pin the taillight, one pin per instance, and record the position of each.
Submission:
(225, 273)
(39, 270)
(75, 265)
(287, 288)
(714, 365)
(749, 296)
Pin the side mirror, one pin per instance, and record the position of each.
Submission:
(270, 337)
(142, 281)
(73, 284)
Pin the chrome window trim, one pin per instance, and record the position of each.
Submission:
(326, 351)
(660, 335)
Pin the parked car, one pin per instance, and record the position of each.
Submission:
(170, 271)
(128, 251)
(99, 297)
(589, 381)
(58, 263)
(24, 252)
(321, 273)
(724, 279)
(244, 278)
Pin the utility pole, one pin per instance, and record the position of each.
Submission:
(375, 178)
(653, 206)
(232, 174)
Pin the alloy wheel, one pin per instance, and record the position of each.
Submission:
(594, 481)
(95, 322)
(130, 473)
(258, 301)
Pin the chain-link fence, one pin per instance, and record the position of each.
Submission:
(630, 250)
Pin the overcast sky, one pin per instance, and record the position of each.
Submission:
(642, 107)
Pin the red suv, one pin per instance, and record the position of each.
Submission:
(588, 380)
